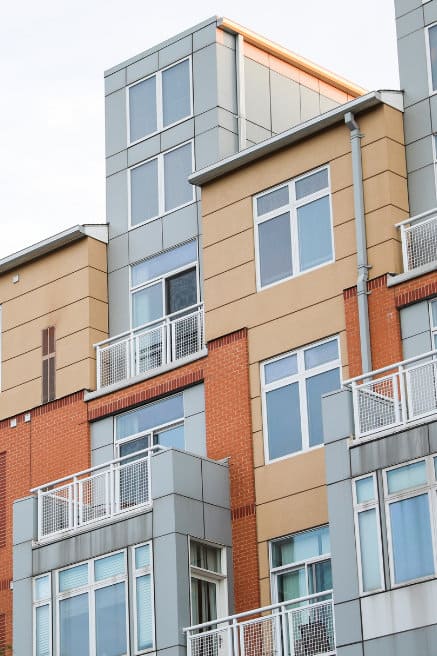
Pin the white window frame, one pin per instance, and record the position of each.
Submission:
(360, 507)
(428, 58)
(159, 104)
(162, 278)
(220, 579)
(135, 574)
(300, 378)
(45, 601)
(433, 328)
(291, 207)
(430, 489)
(161, 185)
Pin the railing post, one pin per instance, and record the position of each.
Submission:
(284, 622)
(404, 248)
(107, 494)
(98, 368)
(404, 394)
(131, 355)
(188, 643)
(80, 505)
(233, 638)
(356, 407)
(40, 514)
(149, 477)
(115, 488)
(75, 506)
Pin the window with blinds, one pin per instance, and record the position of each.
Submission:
(48, 364)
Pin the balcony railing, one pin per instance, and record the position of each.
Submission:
(394, 396)
(419, 240)
(304, 627)
(150, 346)
(94, 494)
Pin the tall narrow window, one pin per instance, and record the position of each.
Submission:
(367, 534)
(48, 364)
(432, 57)
(208, 582)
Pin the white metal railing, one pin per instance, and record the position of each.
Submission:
(94, 494)
(303, 627)
(419, 240)
(397, 395)
(150, 346)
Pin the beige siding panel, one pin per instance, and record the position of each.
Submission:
(385, 258)
(258, 443)
(21, 369)
(98, 315)
(98, 285)
(76, 347)
(265, 592)
(228, 254)
(97, 255)
(18, 399)
(381, 155)
(254, 380)
(263, 560)
(257, 424)
(385, 189)
(380, 224)
(381, 122)
(341, 172)
(77, 376)
(343, 206)
(231, 285)
(345, 241)
(227, 221)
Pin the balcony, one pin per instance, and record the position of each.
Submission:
(419, 241)
(402, 394)
(304, 627)
(95, 494)
(150, 347)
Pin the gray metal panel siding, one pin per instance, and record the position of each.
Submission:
(348, 623)
(144, 150)
(142, 68)
(257, 80)
(285, 102)
(205, 79)
(118, 292)
(226, 78)
(179, 226)
(420, 642)
(118, 252)
(115, 111)
(145, 240)
(117, 204)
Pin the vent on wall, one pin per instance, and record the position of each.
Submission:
(48, 364)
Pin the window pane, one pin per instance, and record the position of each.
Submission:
(433, 55)
(74, 626)
(364, 489)
(368, 531)
(181, 291)
(283, 421)
(176, 93)
(311, 183)
(111, 621)
(280, 368)
(149, 416)
(142, 108)
(147, 305)
(144, 192)
(434, 313)
(411, 538)
(301, 546)
(319, 577)
(316, 386)
(109, 566)
(42, 588)
(292, 585)
(314, 229)
(142, 556)
(404, 478)
(132, 446)
(144, 612)
(163, 263)
(42, 630)
(203, 601)
(171, 437)
(275, 249)
(73, 577)
(272, 200)
(178, 165)
(205, 556)
(317, 355)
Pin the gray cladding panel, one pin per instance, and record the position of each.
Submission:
(195, 434)
(144, 150)
(417, 121)
(142, 68)
(338, 417)
(350, 650)
(285, 102)
(310, 103)
(205, 37)
(404, 6)
(205, 79)
(176, 472)
(215, 484)
(194, 400)
(255, 133)
(102, 455)
(22, 561)
(117, 252)
(22, 614)
(102, 433)
(173, 513)
(337, 461)
(115, 81)
(228, 143)
(116, 122)
(430, 12)
(117, 203)
(145, 240)
(414, 319)
(116, 163)
(416, 345)
(118, 291)
(433, 437)
(421, 642)
(412, 65)
(348, 623)
(419, 154)
(206, 148)
(179, 226)
(433, 107)
(422, 190)
(175, 51)
(217, 524)
(24, 519)
(226, 79)
(178, 134)
(257, 94)
(409, 23)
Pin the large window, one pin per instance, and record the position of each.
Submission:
(208, 582)
(160, 185)
(431, 38)
(292, 386)
(293, 228)
(368, 535)
(96, 609)
(160, 100)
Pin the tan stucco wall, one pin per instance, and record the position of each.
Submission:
(290, 494)
(66, 289)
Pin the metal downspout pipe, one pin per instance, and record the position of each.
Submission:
(360, 229)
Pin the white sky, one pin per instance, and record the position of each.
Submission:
(52, 57)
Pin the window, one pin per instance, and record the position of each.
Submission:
(368, 534)
(292, 389)
(48, 364)
(164, 284)
(161, 185)
(160, 100)
(208, 582)
(293, 228)
(433, 321)
(301, 565)
(431, 38)
(96, 610)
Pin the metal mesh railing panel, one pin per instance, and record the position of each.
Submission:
(260, 637)
(211, 643)
(134, 484)
(312, 630)
(421, 243)
(56, 510)
(94, 496)
(150, 349)
(421, 383)
(187, 335)
(378, 404)
(113, 363)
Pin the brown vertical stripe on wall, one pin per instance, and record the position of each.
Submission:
(48, 364)
(2, 499)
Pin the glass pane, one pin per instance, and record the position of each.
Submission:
(147, 305)
(142, 108)
(42, 630)
(292, 585)
(314, 230)
(171, 437)
(148, 416)
(142, 556)
(368, 531)
(74, 626)
(404, 478)
(275, 249)
(176, 93)
(301, 546)
(364, 489)
(111, 621)
(144, 192)
(42, 588)
(319, 577)
(411, 538)
(317, 355)
(433, 55)
(316, 386)
(280, 368)
(434, 312)
(109, 566)
(283, 421)
(178, 165)
(74, 577)
(163, 263)
(272, 201)
(181, 291)
(205, 556)
(133, 446)
(311, 183)
(203, 601)
(144, 612)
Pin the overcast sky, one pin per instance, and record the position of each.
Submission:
(52, 57)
